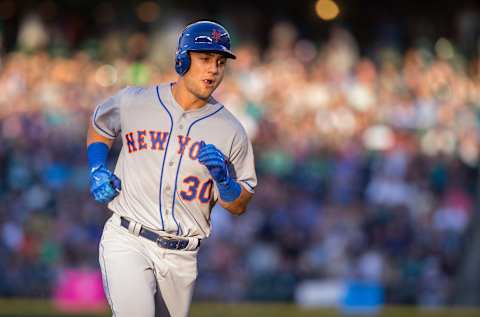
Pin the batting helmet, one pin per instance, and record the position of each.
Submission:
(201, 36)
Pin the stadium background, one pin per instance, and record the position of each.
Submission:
(365, 125)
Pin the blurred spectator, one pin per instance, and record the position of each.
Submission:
(32, 34)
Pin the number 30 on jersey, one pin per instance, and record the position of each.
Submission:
(197, 189)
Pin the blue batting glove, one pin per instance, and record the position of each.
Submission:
(217, 165)
(214, 161)
(104, 185)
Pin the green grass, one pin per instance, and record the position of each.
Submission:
(37, 308)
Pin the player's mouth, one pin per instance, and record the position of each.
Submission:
(209, 82)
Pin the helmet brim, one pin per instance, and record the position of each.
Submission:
(227, 54)
(224, 52)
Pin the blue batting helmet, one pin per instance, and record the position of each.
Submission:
(201, 36)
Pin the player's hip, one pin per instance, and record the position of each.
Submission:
(136, 230)
(181, 222)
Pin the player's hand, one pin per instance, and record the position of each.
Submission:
(104, 185)
(214, 161)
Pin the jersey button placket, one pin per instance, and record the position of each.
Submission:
(167, 196)
(170, 174)
(181, 123)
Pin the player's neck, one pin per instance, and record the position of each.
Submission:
(185, 98)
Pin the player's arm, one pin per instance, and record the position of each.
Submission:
(233, 196)
(93, 137)
(239, 205)
(104, 185)
(104, 127)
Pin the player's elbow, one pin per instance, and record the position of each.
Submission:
(239, 205)
(237, 210)
(234, 208)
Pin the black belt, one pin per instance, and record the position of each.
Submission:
(167, 243)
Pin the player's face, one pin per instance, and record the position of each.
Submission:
(205, 73)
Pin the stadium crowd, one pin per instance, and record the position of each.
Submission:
(367, 165)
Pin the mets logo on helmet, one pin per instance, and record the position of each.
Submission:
(216, 35)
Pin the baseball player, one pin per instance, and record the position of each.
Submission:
(182, 152)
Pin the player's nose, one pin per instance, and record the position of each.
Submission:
(213, 67)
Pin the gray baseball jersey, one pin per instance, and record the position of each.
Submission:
(164, 187)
